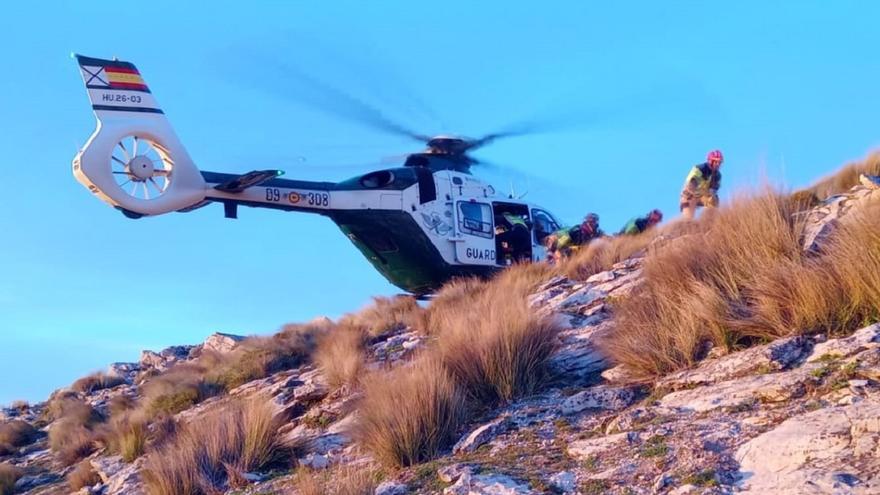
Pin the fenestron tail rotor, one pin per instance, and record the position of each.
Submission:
(142, 167)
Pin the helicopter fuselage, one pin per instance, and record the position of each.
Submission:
(418, 227)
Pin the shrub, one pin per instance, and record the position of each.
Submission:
(218, 448)
(340, 354)
(452, 297)
(96, 381)
(408, 414)
(15, 434)
(83, 475)
(387, 314)
(9, 474)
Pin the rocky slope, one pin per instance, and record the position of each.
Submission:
(796, 415)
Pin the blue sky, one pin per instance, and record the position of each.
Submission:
(640, 90)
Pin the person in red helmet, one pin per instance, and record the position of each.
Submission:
(701, 185)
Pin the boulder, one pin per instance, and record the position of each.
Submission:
(222, 343)
(391, 488)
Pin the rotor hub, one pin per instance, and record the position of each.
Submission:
(140, 168)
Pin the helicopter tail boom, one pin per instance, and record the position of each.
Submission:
(133, 160)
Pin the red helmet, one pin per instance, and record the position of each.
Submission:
(715, 156)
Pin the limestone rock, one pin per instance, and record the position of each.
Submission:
(777, 355)
(816, 452)
(483, 434)
(599, 397)
(772, 387)
(487, 484)
(565, 481)
(583, 449)
(391, 488)
(847, 346)
(222, 342)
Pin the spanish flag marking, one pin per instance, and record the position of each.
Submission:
(124, 78)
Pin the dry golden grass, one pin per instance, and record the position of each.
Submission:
(846, 177)
(82, 476)
(341, 354)
(71, 435)
(217, 448)
(600, 255)
(126, 435)
(495, 346)
(408, 414)
(258, 357)
(340, 480)
(96, 381)
(9, 474)
(387, 314)
(179, 388)
(15, 434)
(745, 279)
(488, 347)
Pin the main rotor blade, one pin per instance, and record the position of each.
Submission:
(326, 98)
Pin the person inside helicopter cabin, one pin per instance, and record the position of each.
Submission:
(638, 225)
(701, 185)
(513, 238)
(563, 242)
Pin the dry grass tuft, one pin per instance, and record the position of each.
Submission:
(96, 381)
(259, 357)
(408, 414)
(600, 255)
(387, 314)
(340, 480)
(745, 279)
(495, 347)
(15, 434)
(218, 448)
(9, 474)
(846, 177)
(83, 475)
(126, 435)
(341, 355)
(71, 435)
(177, 389)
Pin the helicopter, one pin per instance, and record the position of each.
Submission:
(420, 224)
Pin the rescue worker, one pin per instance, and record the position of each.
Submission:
(640, 224)
(564, 241)
(701, 185)
(513, 237)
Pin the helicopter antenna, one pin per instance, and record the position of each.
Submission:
(512, 190)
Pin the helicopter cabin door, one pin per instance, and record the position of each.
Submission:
(475, 233)
(513, 236)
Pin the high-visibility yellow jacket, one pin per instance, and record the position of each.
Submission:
(702, 180)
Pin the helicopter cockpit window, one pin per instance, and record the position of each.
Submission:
(475, 218)
(544, 224)
(375, 180)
